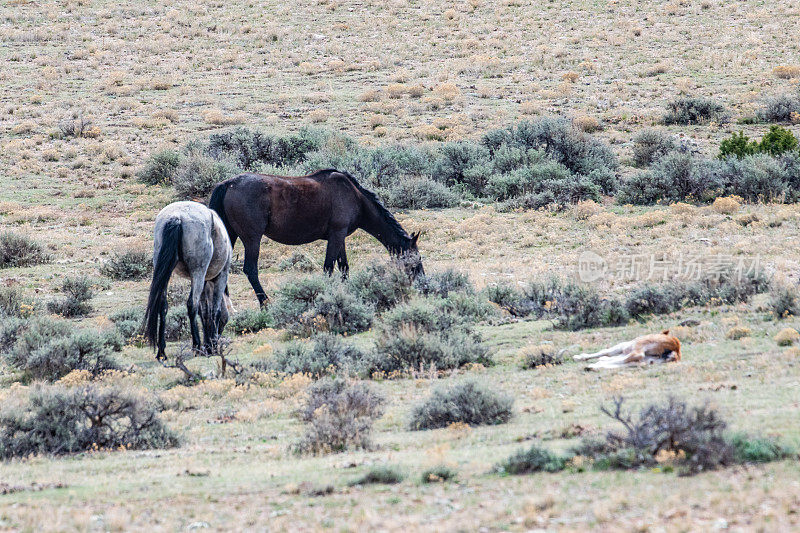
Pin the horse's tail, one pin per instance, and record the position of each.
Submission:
(217, 202)
(168, 256)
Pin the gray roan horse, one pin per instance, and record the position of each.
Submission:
(191, 240)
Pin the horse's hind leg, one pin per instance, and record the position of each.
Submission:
(193, 304)
(162, 321)
(251, 249)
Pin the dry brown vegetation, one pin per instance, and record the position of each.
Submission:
(90, 90)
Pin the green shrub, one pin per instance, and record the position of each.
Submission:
(339, 416)
(380, 475)
(468, 402)
(532, 460)
(57, 421)
(160, 168)
(20, 251)
(758, 449)
(128, 265)
(438, 474)
(75, 302)
(325, 353)
(250, 321)
(382, 284)
(198, 174)
(48, 349)
(737, 145)
(780, 108)
(777, 141)
(688, 110)
(419, 192)
(650, 145)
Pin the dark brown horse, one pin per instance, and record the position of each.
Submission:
(327, 204)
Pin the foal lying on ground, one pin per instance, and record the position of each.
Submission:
(657, 348)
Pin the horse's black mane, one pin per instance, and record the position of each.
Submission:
(384, 213)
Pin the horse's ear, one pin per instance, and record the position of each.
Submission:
(665, 332)
(414, 237)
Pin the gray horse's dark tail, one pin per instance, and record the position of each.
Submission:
(168, 256)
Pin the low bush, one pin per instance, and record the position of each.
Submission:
(14, 304)
(443, 283)
(691, 110)
(737, 145)
(419, 192)
(177, 326)
(777, 141)
(75, 300)
(325, 353)
(747, 449)
(439, 474)
(534, 459)
(423, 333)
(651, 145)
(250, 321)
(339, 416)
(690, 437)
(467, 402)
(784, 301)
(57, 421)
(509, 298)
(128, 265)
(380, 475)
(197, 174)
(674, 177)
(320, 303)
(20, 251)
(128, 322)
(160, 168)
(382, 284)
(249, 148)
(542, 355)
(43, 348)
(780, 108)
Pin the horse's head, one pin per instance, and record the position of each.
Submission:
(413, 259)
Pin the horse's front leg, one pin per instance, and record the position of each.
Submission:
(334, 249)
(344, 268)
